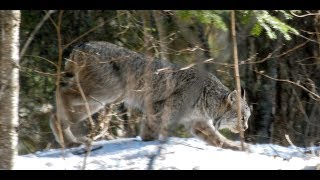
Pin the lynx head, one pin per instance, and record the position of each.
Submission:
(229, 117)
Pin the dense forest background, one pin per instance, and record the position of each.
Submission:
(279, 56)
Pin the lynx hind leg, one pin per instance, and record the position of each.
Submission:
(63, 134)
(154, 124)
(149, 130)
(71, 110)
(207, 132)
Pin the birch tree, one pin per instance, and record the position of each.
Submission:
(9, 86)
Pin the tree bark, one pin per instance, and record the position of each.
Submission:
(9, 86)
(159, 20)
(236, 72)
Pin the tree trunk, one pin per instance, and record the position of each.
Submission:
(192, 33)
(147, 36)
(159, 20)
(265, 93)
(9, 86)
(236, 72)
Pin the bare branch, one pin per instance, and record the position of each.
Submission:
(304, 15)
(84, 34)
(40, 72)
(269, 56)
(291, 82)
(60, 52)
(290, 142)
(86, 104)
(292, 49)
(34, 32)
(44, 59)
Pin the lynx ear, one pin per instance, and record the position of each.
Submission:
(232, 97)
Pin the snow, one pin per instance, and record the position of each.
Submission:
(176, 153)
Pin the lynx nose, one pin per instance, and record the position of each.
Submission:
(243, 128)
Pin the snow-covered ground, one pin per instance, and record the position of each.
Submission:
(176, 153)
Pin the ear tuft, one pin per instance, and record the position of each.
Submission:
(232, 97)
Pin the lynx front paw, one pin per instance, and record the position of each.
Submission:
(236, 146)
(73, 144)
(78, 142)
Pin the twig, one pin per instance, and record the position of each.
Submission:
(269, 56)
(294, 48)
(40, 72)
(86, 104)
(55, 65)
(189, 145)
(290, 142)
(308, 38)
(60, 52)
(274, 150)
(300, 107)
(291, 82)
(34, 32)
(82, 35)
(304, 15)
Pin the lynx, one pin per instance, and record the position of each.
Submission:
(166, 93)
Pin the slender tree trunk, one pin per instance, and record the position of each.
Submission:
(9, 86)
(147, 37)
(265, 95)
(236, 72)
(158, 17)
